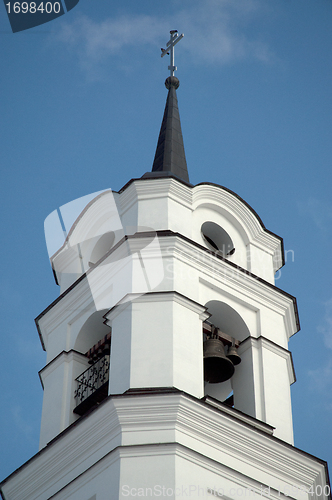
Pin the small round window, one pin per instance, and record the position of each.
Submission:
(217, 239)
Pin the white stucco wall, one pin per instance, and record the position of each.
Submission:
(157, 338)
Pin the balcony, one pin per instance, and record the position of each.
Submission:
(92, 385)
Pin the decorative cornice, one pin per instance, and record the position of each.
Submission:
(190, 252)
(273, 347)
(169, 296)
(153, 189)
(239, 415)
(210, 436)
(208, 193)
(66, 356)
(220, 193)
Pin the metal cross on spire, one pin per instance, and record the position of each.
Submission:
(170, 49)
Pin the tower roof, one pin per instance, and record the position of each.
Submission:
(170, 156)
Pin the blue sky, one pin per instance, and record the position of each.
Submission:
(82, 99)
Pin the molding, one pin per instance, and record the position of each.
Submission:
(241, 211)
(168, 296)
(207, 193)
(150, 189)
(247, 419)
(273, 347)
(210, 258)
(242, 481)
(155, 175)
(201, 189)
(79, 218)
(64, 356)
(75, 301)
(192, 254)
(150, 419)
(255, 295)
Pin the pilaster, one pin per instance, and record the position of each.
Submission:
(157, 342)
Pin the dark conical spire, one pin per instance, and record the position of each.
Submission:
(170, 156)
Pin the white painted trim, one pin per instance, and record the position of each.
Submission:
(64, 356)
(271, 346)
(232, 204)
(161, 418)
(171, 296)
(241, 283)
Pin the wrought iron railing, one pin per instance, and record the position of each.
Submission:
(91, 382)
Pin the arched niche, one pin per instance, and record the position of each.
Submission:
(230, 322)
(91, 332)
(227, 319)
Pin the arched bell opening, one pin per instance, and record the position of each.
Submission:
(227, 319)
(93, 330)
(91, 384)
(222, 334)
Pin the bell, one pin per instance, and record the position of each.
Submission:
(217, 367)
(233, 355)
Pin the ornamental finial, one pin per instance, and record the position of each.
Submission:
(175, 38)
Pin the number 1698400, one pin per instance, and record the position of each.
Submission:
(33, 7)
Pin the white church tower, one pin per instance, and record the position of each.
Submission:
(168, 371)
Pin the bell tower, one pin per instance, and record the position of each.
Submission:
(168, 371)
